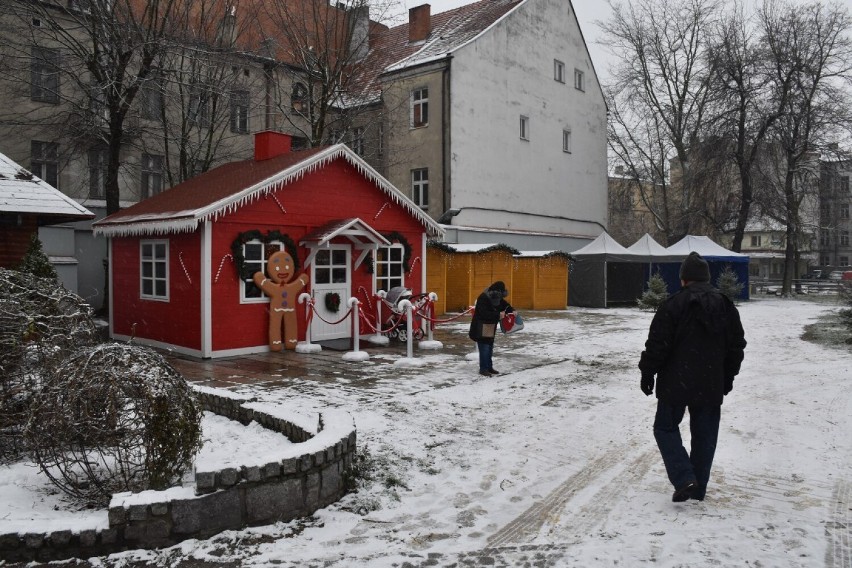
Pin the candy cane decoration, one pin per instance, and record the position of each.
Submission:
(182, 265)
(413, 264)
(366, 295)
(380, 210)
(275, 197)
(221, 264)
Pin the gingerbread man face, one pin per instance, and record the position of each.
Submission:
(280, 267)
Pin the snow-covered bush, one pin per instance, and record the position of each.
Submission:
(656, 293)
(729, 284)
(113, 418)
(41, 324)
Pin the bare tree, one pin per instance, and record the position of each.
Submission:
(817, 45)
(661, 88)
(91, 59)
(321, 50)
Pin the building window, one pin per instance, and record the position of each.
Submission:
(525, 128)
(843, 261)
(844, 184)
(825, 212)
(755, 240)
(826, 260)
(389, 267)
(420, 187)
(566, 140)
(97, 173)
(255, 255)
(299, 97)
(844, 238)
(154, 270)
(824, 239)
(44, 75)
(152, 175)
(358, 141)
(199, 108)
(558, 71)
(844, 210)
(419, 108)
(579, 80)
(153, 100)
(240, 112)
(44, 161)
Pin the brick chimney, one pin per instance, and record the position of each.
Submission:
(419, 22)
(269, 144)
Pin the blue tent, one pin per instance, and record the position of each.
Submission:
(718, 257)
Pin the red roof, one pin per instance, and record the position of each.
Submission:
(223, 189)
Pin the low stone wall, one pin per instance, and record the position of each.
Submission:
(307, 477)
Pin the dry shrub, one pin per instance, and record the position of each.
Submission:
(113, 418)
(41, 324)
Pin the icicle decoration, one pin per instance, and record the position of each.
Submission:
(189, 220)
(376, 216)
(182, 265)
(221, 264)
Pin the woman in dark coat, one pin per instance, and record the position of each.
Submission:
(490, 308)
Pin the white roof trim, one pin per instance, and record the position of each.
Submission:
(148, 225)
(362, 230)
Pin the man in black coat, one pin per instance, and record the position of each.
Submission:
(695, 348)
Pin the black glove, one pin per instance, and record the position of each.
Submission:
(647, 384)
(729, 385)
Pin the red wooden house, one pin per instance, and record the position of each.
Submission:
(181, 262)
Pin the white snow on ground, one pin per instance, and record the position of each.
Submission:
(553, 462)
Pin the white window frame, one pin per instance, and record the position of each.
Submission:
(844, 238)
(261, 267)
(524, 128)
(566, 140)
(579, 80)
(558, 71)
(154, 261)
(756, 240)
(844, 210)
(240, 101)
(420, 187)
(394, 256)
(419, 107)
(44, 161)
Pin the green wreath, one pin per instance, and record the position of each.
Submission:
(332, 302)
(269, 237)
(406, 252)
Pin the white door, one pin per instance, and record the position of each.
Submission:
(331, 275)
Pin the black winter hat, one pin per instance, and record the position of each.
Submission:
(695, 269)
(499, 286)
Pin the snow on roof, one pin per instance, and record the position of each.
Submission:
(540, 253)
(22, 192)
(481, 247)
(222, 190)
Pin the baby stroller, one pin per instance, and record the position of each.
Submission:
(396, 321)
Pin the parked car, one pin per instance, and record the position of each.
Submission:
(835, 275)
(847, 275)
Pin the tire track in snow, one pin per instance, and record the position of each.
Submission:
(839, 528)
(549, 510)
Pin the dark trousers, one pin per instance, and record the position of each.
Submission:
(704, 428)
(486, 350)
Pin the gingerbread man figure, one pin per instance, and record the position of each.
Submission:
(283, 297)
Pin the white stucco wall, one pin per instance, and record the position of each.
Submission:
(508, 72)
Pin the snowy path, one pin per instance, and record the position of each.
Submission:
(553, 462)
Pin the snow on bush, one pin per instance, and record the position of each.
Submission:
(41, 324)
(113, 418)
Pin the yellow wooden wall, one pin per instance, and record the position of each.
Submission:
(533, 283)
